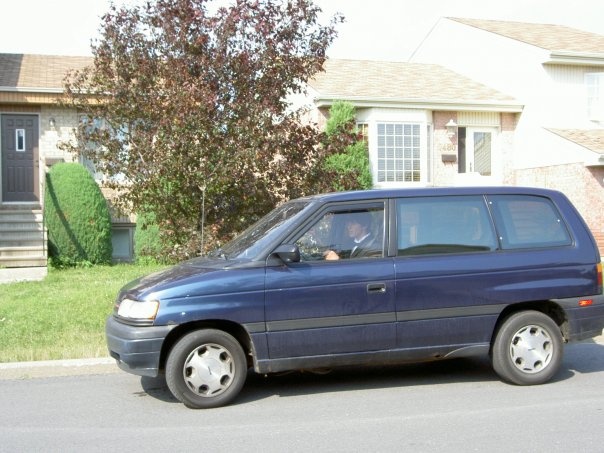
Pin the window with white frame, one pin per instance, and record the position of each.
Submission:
(363, 130)
(91, 126)
(398, 152)
(594, 82)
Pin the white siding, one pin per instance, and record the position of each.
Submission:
(501, 63)
(566, 106)
(554, 96)
(479, 119)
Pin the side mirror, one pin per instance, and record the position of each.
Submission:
(288, 253)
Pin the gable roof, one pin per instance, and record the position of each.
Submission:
(37, 73)
(427, 85)
(554, 38)
(592, 139)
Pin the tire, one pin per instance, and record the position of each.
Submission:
(527, 349)
(206, 368)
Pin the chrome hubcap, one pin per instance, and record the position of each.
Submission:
(209, 370)
(531, 349)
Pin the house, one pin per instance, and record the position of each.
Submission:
(425, 124)
(557, 74)
(32, 125)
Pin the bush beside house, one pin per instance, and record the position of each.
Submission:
(352, 164)
(77, 217)
(147, 241)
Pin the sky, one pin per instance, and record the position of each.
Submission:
(374, 29)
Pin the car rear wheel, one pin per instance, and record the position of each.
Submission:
(206, 368)
(527, 349)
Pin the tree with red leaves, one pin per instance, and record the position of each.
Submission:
(197, 124)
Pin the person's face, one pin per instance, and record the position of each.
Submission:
(355, 230)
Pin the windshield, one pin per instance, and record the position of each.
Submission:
(262, 233)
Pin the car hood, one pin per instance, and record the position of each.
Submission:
(190, 278)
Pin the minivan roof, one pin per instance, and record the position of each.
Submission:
(427, 192)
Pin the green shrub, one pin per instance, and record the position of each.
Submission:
(77, 217)
(351, 162)
(147, 241)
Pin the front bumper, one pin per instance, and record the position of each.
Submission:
(137, 350)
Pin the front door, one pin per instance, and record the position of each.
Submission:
(477, 153)
(20, 179)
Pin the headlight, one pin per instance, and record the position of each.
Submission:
(138, 310)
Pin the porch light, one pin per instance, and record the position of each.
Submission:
(451, 128)
(52, 123)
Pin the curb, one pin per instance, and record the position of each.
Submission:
(96, 366)
(53, 368)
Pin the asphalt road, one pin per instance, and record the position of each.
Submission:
(454, 406)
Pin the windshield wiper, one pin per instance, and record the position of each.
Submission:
(219, 253)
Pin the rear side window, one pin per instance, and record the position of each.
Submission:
(525, 221)
(430, 225)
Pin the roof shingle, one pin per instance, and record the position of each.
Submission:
(592, 139)
(550, 37)
(347, 79)
(46, 72)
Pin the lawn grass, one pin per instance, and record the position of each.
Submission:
(63, 316)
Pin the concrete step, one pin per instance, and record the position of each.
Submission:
(23, 238)
(26, 234)
(37, 239)
(20, 243)
(22, 251)
(21, 274)
(12, 225)
(22, 261)
(34, 216)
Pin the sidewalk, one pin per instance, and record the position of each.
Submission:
(53, 368)
(22, 274)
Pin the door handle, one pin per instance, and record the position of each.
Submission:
(376, 288)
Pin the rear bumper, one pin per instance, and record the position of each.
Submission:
(137, 350)
(584, 322)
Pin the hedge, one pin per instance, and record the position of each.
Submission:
(77, 217)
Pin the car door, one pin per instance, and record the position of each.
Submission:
(343, 305)
(446, 273)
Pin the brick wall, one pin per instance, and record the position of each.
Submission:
(65, 121)
(444, 173)
(506, 137)
(584, 186)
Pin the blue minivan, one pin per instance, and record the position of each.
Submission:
(370, 278)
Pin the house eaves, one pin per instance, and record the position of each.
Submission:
(32, 90)
(425, 104)
(575, 58)
(405, 85)
(564, 45)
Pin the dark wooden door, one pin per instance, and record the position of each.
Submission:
(20, 164)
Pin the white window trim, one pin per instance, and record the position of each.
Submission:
(594, 94)
(424, 161)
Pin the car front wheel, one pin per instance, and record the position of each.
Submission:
(527, 349)
(206, 368)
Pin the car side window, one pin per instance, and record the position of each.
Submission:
(433, 225)
(528, 222)
(344, 233)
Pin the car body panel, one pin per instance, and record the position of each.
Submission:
(368, 311)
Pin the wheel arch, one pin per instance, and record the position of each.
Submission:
(547, 307)
(232, 328)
